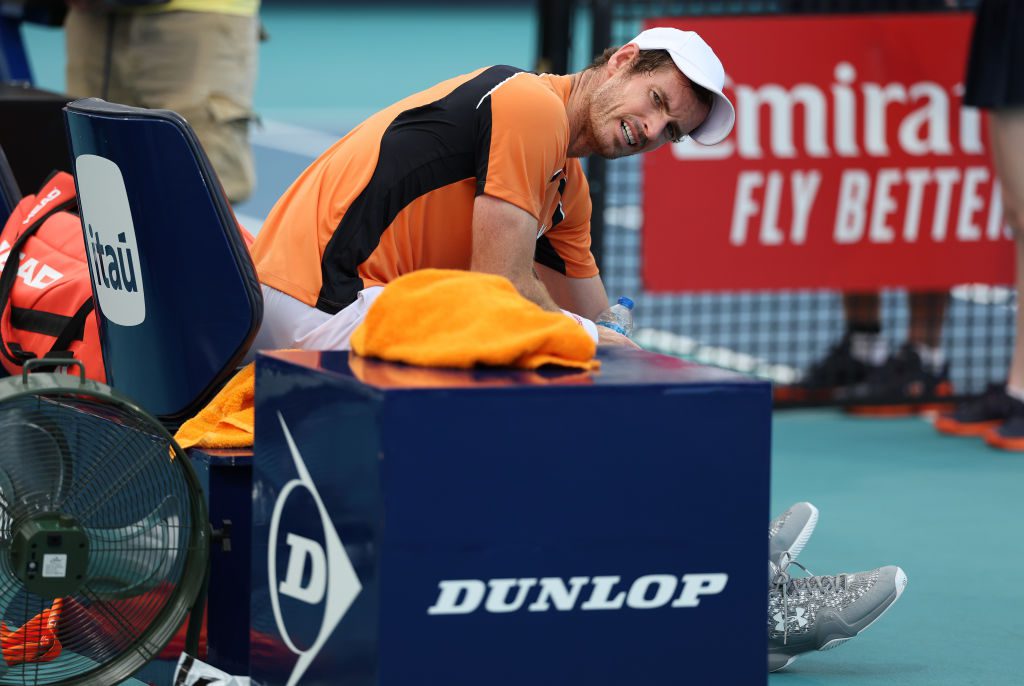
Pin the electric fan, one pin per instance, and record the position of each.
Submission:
(104, 537)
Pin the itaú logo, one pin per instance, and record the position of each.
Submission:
(114, 259)
(464, 596)
(315, 573)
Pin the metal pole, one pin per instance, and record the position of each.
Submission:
(555, 36)
(13, 60)
(597, 167)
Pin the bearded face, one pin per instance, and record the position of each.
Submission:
(631, 113)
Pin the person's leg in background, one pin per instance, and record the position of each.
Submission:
(202, 65)
(999, 414)
(863, 314)
(92, 39)
(862, 370)
(1007, 132)
(850, 360)
(916, 373)
(927, 312)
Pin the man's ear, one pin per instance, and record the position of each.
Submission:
(622, 57)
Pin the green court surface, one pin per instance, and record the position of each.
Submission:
(948, 510)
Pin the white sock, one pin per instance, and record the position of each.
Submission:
(869, 348)
(933, 357)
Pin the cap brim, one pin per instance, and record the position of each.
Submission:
(719, 122)
(722, 116)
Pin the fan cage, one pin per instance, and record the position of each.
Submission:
(74, 447)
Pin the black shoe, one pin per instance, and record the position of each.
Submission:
(899, 387)
(838, 369)
(1009, 435)
(978, 416)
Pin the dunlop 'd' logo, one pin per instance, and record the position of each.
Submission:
(331, 580)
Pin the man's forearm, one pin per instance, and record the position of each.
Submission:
(532, 288)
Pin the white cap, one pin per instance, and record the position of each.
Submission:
(698, 62)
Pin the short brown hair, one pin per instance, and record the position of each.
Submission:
(650, 61)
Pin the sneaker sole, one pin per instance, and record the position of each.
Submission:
(897, 410)
(901, 410)
(994, 439)
(789, 394)
(951, 427)
(901, 584)
(907, 408)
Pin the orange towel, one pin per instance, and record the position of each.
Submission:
(227, 421)
(448, 318)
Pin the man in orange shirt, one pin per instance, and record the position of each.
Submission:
(479, 172)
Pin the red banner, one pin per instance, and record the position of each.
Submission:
(852, 165)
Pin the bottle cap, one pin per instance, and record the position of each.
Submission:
(626, 302)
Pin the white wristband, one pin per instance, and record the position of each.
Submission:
(588, 326)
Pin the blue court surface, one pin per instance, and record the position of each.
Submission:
(949, 511)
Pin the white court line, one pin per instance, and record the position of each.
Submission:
(297, 140)
(983, 294)
(662, 341)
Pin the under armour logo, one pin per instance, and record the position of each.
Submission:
(796, 618)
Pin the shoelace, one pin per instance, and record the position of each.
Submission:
(786, 583)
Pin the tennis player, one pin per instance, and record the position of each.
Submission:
(482, 172)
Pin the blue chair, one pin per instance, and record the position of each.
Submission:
(177, 295)
(10, 194)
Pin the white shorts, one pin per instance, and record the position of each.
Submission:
(289, 323)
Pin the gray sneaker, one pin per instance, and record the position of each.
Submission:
(790, 531)
(823, 612)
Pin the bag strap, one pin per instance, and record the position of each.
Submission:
(60, 350)
(10, 273)
(73, 329)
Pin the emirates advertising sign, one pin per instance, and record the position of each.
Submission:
(853, 164)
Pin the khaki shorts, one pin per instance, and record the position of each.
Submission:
(202, 65)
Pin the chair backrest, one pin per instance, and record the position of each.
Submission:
(176, 291)
(10, 194)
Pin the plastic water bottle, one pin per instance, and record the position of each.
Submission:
(618, 317)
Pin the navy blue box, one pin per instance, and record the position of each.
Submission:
(506, 527)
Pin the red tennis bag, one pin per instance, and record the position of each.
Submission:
(46, 304)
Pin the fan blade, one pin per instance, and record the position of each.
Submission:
(131, 560)
(35, 468)
(9, 585)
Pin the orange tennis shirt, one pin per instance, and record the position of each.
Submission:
(396, 194)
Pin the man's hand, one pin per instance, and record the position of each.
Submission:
(606, 336)
(586, 297)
